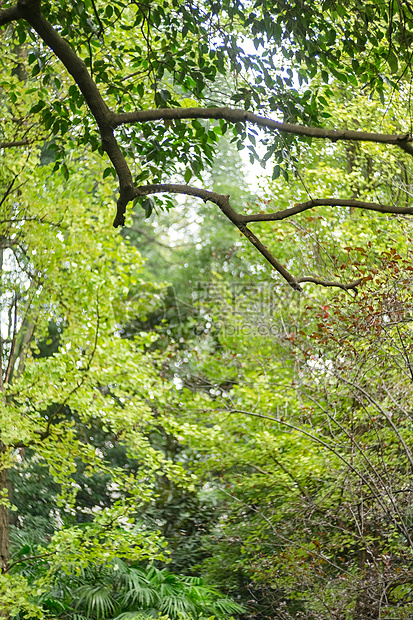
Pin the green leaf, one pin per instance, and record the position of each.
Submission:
(393, 62)
(109, 171)
(276, 172)
(37, 107)
(188, 175)
(147, 205)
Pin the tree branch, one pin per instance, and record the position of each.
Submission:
(29, 10)
(381, 499)
(107, 121)
(150, 238)
(241, 116)
(77, 68)
(9, 15)
(222, 201)
(29, 558)
(321, 282)
(8, 145)
(325, 202)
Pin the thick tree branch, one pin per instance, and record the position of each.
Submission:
(222, 201)
(325, 202)
(30, 11)
(13, 143)
(9, 15)
(241, 116)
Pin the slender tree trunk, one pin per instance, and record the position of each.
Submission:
(4, 510)
(4, 530)
(4, 522)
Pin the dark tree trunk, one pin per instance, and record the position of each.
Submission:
(4, 523)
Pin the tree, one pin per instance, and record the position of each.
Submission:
(68, 374)
(306, 406)
(77, 364)
(307, 443)
(140, 71)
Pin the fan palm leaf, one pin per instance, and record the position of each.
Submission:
(175, 606)
(138, 590)
(97, 600)
(132, 615)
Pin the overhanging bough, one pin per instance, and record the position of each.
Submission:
(108, 121)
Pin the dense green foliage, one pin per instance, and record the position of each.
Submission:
(183, 435)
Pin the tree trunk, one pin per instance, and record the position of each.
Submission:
(4, 522)
(4, 528)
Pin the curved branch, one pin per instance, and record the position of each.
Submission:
(241, 116)
(30, 11)
(9, 15)
(321, 282)
(29, 558)
(222, 201)
(325, 202)
(107, 121)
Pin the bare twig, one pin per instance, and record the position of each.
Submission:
(380, 500)
(29, 558)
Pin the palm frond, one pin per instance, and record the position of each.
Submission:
(119, 567)
(191, 580)
(225, 606)
(175, 606)
(97, 600)
(138, 590)
(202, 594)
(132, 615)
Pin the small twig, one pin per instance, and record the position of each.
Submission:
(148, 237)
(29, 558)
(400, 526)
(346, 287)
(101, 27)
(407, 359)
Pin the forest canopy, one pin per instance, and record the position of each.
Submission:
(134, 73)
(189, 428)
